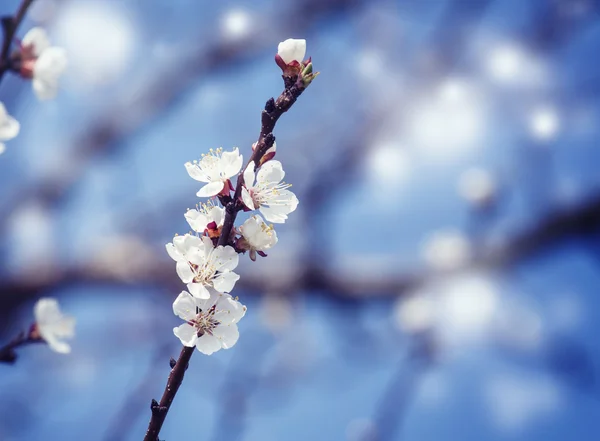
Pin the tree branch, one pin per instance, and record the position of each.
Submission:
(270, 115)
(7, 352)
(9, 27)
(160, 410)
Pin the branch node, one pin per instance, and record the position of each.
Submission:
(270, 105)
(172, 362)
(269, 141)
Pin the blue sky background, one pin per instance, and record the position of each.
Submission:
(362, 323)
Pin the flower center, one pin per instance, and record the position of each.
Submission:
(205, 322)
(205, 272)
(210, 164)
(269, 193)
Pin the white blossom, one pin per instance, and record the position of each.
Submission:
(215, 168)
(9, 127)
(257, 236)
(211, 323)
(52, 325)
(202, 266)
(205, 214)
(477, 186)
(544, 123)
(292, 49)
(447, 250)
(42, 62)
(266, 191)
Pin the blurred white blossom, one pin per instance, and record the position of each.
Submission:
(52, 325)
(509, 64)
(544, 123)
(267, 192)
(202, 266)
(477, 186)
(514, 401)
(276, 312)
(458, 110)
(43, 63)
(414, 313)
(467, 307)
(211, 323)
(102, 39)
(9, 127)
(236, 24)
(215, 168)
(446, 250)
(504, 62)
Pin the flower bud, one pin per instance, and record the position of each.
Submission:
(269, 154)
(292, 50)
(290, 54)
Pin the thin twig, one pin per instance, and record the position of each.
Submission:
(270, 115)
(160, 410)
(7, 352)
(10, 26)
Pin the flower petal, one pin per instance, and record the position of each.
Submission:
(195, 172)
(173, 252)
(38, 39)
(57, 345)
(65, 327)
(292, 49)
(184, 271)
(207, 247)
(276, 214)
(198, 290)
(271, 171)
(208, 344)
(227, 335)
(9, 126)
(187, 334)
(225, 258)
(46, 310)
(43, 90)
(231, 163)
(251, 227)
(225, 282)
(211, 189)
(197, 221)
(46, 72)
(53, 325)
(217, 214)
(229, 310)
(248, 202)
(249, 174)
(184, 306)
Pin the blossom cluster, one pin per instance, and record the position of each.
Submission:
(37, 60)
(206, 257)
